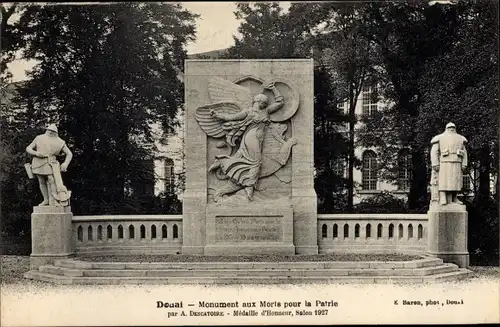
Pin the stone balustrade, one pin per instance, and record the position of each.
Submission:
(127, 234)
(337, 233)
(372, 233)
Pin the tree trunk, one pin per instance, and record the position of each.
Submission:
(350, 157)
(4, 17)
(418, 186)
(350, 168)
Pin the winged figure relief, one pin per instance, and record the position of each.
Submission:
(247, 124)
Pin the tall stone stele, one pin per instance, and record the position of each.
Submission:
(249, 158)
(51, 229)
(447, 215)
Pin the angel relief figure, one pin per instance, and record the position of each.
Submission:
(258, 147)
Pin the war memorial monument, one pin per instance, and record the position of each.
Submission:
(249, 191)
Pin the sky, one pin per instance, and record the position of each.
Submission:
(215, 29)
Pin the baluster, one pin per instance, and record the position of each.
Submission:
(79, 233)
(142, 231)
(85, 233)
(357, 231)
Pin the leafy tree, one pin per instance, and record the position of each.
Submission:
(407, 36)
(440, 65)
(106, 74)
(10, 40)
(266, 33)
(330, 144)
(466, 92)
(334, 32)
(436, 57)
(14, 214)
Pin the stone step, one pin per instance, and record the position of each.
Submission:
(459, 274)
(43, 276)
(53, 270)
(46, 277)
(76, 264)
(249, 272)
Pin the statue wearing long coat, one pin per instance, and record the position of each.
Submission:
(449, 153)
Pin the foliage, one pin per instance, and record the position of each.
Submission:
(483, 232)
(10, 40)
(334, 32)
(381, 203)
(266, 33)
(467, 90)
(330, 147)
(416, 41)
(105, 75)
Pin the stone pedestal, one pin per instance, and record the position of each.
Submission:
(447, 231)
(249, 229)
(193, 222)
(51, 235)
(305, 222)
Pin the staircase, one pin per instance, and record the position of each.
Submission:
(74, 271)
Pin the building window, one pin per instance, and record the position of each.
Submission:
(339, 167)
(368, 99)
(466, 181)
(404, 170)
(343, 107)
(369, 171)
(169, 176)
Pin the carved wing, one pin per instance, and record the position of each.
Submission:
(211, 125)
(221, 90)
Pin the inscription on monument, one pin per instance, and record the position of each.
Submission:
(249, 229)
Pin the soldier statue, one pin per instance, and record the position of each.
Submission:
(448, 160)
(47, 169)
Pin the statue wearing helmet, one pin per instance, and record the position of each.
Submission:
(45, 166)
(449, 160)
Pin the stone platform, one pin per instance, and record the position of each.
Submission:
(72, 271)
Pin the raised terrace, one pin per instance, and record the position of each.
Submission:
(249, 206)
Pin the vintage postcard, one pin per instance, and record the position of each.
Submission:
(249, 163)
